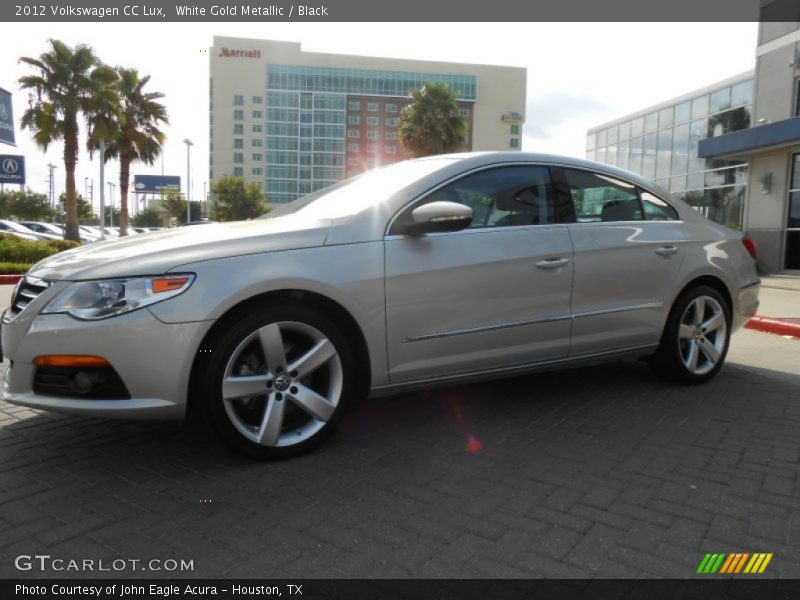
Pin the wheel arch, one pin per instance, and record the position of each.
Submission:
(713, 282)
(323, 304)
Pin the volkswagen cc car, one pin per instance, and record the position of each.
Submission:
(444, 269)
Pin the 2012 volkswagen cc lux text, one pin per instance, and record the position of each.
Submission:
(444, 269)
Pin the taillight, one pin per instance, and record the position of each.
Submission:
(750, 245)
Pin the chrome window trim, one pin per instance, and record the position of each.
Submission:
(423, 195)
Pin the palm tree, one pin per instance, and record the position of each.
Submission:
(131, 133)
(70, 81)
(431, 123)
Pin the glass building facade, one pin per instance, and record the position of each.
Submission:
(661, 144)
(306, 113)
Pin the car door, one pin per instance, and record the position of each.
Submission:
(493, 295)
(628, 246)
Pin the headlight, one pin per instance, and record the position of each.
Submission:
(92, 300)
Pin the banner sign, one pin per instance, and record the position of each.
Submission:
(156, 183)
(6, 118)
(12, 169)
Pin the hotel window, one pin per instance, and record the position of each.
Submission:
(515, 142)
(238, 129)
(372, 148)
(353, 119)
(353, 147)
(257, 114)
(797, 97)
(353, 133)
(258, 171)
(372, 121)
(372, 106)
(390, 149)
(258, 157)
(354, 106)
(515, 130)
(238, 143)
(391, 135)
(463, 112)
(238, 157)
(258, 129)
(372, 135)
(258, 100)
(391, 122)
(258, 142)
(352, 161)
(238, 100)
(391, 108)
(238, 115)
(238, 172)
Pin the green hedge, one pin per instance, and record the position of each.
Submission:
(17, 250)
(7, 268)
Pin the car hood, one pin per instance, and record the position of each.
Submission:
(160, 252)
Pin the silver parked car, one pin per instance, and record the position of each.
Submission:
(444, 269)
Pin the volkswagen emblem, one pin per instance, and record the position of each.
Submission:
(10, 166)
(282, 382)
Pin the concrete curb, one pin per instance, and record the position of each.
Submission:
(10, 279)
(776, 326)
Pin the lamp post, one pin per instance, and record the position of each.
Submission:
(111, 186)
(189, 145)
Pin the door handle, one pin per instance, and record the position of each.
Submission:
(666, 250)
(552, 263)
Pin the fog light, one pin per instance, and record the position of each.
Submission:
(81, 382)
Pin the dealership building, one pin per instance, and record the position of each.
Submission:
(731, 149)
(295, 121)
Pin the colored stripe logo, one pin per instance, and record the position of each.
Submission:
(734, 563)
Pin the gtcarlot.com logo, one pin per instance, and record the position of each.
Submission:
(734, 563)
(44, 562)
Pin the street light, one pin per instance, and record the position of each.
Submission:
(189, 145)
(111, 186)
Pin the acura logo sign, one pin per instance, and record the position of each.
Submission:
(10, 166)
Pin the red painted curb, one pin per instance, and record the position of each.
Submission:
(776, 326)
(10, 279)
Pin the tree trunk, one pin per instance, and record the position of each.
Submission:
(70, 160)
(124, 176)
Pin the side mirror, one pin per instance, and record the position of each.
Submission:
(437, 217)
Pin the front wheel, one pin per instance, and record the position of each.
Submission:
(276, 381)
(696, 338)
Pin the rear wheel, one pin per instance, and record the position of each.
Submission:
(277, 381)
(696, 338)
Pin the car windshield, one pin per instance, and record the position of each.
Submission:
(16, 227)
(353, 195)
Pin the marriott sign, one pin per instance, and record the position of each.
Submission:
(228, 53)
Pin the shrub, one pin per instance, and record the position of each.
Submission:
(18, 250)
(7, 268)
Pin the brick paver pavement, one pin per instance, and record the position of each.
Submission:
(597, 472)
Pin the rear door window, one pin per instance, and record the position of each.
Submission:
(601, 198)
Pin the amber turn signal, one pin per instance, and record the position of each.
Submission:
(169, 285)
(68, 360)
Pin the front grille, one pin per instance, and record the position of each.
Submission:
(69, 382)
(26, 291)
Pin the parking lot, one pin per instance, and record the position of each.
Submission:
(597, 472)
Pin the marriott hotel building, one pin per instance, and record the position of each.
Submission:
(730, 149)
(295, 122)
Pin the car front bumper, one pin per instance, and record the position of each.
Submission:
(153, 359)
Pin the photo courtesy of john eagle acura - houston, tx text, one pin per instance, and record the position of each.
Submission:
(443, 269)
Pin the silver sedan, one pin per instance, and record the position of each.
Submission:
(438, 270)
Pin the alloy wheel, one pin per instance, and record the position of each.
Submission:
(702, 335)
(282, 384)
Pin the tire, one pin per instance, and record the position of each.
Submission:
(696, 337)
(276, 381)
